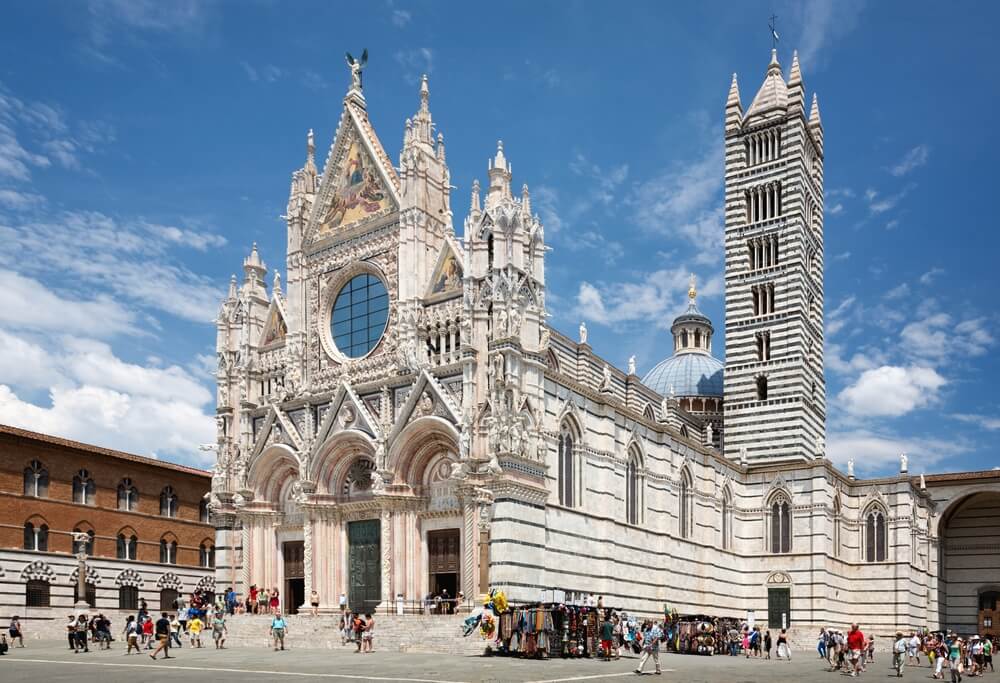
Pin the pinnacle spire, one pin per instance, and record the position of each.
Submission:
(814, 119)
(232, 287)
(692, 288)
(796, 90)
(734, 109)
(425, 94)
(795, 73)
(474, 203)
(525, 200)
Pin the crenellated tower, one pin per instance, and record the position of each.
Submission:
(775, 394)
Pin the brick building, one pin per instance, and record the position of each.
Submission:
(148, 521)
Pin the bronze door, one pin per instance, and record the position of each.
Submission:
(364, 567)
(444, 560)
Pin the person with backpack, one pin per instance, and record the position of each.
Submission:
(131, 632)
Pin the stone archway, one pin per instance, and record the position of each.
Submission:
(969, 558)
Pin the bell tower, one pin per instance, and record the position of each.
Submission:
(775, 393)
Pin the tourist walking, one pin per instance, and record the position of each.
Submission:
(81, 633)
(988, 654)
(147, 632)
(899, 653)
(162, 631)
(15, 631)
(767, 644)
(955, 659)
(913, 650)
(131, 633)
(783, 650)
(821, 645)
(175, 631)
(275, 602)
(652, 634)
(368, 638)
(195, 627)
(219, 630)
(358, 626)
(279, 628)
(855, 644)
(314, 603)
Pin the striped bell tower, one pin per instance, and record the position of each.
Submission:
(775, 394)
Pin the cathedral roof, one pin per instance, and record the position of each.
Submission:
(773, 93)
(686, 374)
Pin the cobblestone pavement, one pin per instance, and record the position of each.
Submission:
(50, 661)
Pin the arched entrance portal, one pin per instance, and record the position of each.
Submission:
(969, 563)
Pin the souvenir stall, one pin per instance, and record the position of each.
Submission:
(695, 634)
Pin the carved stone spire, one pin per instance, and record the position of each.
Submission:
(500, 175)
(734, 110)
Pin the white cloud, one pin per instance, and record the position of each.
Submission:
(656, 298)
(607, 181)
(878, 204)
(875, 452)
(545, 200)
(913, 159)
(15, 160)
(893, 224)
(891, 391)
(820, 23)
(842, 256)
(195, 239)
(610, 250)
(128, 260)
(415, 63)
(19, 200)
(858, 362)
(835, 209)
(26, 303)
(929, 277)
(400, 18)
(686, 200)
(988, 422)
(898, 292)
(64, 152)
(96, 397)
(933, 337)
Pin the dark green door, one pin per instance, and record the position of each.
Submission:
(364, 575)
(779, 607)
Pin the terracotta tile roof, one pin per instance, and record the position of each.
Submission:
(76, 445)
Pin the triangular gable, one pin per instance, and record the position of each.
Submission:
(425, 386)
(359, 183)
(350, 412)
(275, 328)
(447, 277)
(277, 428)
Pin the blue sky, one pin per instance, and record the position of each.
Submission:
(144, 146)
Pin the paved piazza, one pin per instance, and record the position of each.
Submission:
(51, 662)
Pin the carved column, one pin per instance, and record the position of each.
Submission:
(386, 543)
(307, 557)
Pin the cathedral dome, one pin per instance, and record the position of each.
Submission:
(691, 370)
(686, 374)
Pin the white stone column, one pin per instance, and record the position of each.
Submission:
(307, 559)
(386, 548)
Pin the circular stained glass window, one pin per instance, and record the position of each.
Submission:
(360, 312)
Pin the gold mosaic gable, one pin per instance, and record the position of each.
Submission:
(354, 188)
(448, 272)
(275, 329)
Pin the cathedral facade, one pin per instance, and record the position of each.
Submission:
(397, 417)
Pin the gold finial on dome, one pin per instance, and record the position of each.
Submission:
(692, 290)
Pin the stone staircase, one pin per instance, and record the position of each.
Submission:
(413, 633)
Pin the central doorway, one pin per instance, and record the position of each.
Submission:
(443, 563)
(293, 553)
(778, 607)
(364, 571)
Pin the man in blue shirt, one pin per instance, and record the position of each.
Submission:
(652, 634)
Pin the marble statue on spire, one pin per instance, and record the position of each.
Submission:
(357, 66)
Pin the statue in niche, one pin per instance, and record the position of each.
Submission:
(515, 322)
(498, 369)
(545, 338)
(709, 434)
(377, 482)
(502, 322)
(515, 438)
(464, 442)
